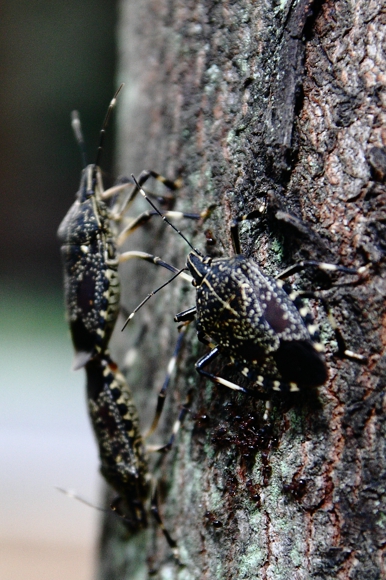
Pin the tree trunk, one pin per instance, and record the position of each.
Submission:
(260, 104)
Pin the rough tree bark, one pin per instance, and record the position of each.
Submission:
(251, 103)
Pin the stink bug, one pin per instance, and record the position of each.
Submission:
(115, 422)
(251, 318)
(91, 282)
(89, 238)
(124, 461)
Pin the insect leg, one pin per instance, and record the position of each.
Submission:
(185, 409)
(145, 175)
(162, 393)
(324, 266)
(235, 227)
(206, 359)
(152, 259)
(296, 296)
(343, 351)
(146, 216)
(260, 381)
(154, 501)
(187, 315)
(155, 513)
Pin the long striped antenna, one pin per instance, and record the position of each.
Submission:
(77, 128)
(112, 104)
(143, 193)
(149, 296)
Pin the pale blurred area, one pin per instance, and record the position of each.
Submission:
(45, 441)
(55, 57)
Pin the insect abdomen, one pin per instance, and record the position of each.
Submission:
(254, 322)
(115, 422)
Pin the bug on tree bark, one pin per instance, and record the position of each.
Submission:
(89, 237)
(124, 461)
(256, 321)
(114, 417)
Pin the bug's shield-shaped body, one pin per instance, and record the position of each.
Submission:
(254, 322)
(115, 421)
(90, 263)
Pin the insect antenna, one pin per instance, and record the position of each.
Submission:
(143, 193)
(73, 495)
(109, 511)
(150, 295)
(76, 127)
(105, 123)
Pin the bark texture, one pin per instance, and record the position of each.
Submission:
(255, 103)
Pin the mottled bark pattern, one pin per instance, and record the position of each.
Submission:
(252, 102)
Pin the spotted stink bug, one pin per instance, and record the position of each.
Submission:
(91, 282)
(256, 321)
(89, 238)
(115, 422)
(124, 461)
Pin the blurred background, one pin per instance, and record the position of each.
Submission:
(55, 57)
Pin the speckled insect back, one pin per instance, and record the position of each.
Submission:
(90, 261)
(89, 237)
(254, 322)
(257, 322)
(91, 281)
(122, 453)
